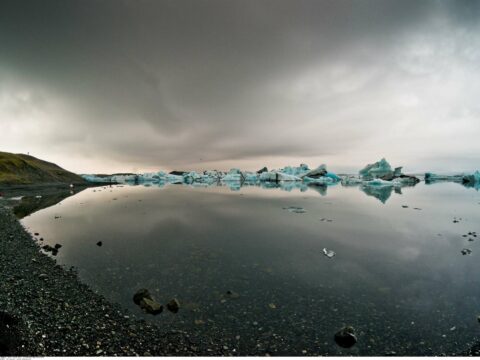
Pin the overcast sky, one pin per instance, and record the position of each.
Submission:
(105, 86)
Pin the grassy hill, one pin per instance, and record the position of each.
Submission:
(16, 169)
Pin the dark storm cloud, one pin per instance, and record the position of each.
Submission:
(167, 83)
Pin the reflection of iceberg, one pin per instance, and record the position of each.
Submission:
(319, 188)
(468, 180)
(382, 193)
(431, 178)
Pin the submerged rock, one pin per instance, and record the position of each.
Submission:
(144, 299)
(173, 305)
(295, 209)
(346, 337)
(151, 306)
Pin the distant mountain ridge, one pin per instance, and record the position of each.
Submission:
(21, 169)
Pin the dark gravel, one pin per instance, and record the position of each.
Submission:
(46, 311)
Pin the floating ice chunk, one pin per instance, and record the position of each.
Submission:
(329, 253)
(296, 171)
(174, 179)
(125, 178)
(275, 176)
(295, 209)
(234, 175)
(317, 172)
(251, 177)
(379, 169)
(97, 178)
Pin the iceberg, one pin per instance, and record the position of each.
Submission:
(318, 172)
(97, 178)
(276, 176)
(382, 170)
(234, 175)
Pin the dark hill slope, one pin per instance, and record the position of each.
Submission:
(16, 169)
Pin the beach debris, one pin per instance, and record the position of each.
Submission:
(466, 251)
(173, 306)
(144, 299)
(295, 209)
(329, 253)
(346, 337)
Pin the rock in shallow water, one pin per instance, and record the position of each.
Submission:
(346, 337)
(173, 305)
(144, 299)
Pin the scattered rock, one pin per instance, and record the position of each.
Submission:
(173, 306)
(99, 243)
(144, 299)
(232, 294)
(405, 206)
(57, 246)
(346, 337)
(466, 252)
(295, 209)
(151, 306)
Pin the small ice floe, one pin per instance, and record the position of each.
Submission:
(38, 197)
(329, 253)
(16, 198)
(466, 251)
(295, 209)
(327, 220)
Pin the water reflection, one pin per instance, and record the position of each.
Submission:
(398, 276)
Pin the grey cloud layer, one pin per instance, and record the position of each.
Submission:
(152, 84)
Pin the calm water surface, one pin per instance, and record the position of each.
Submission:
(398, 276)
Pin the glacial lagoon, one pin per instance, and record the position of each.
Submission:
(251, 272)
